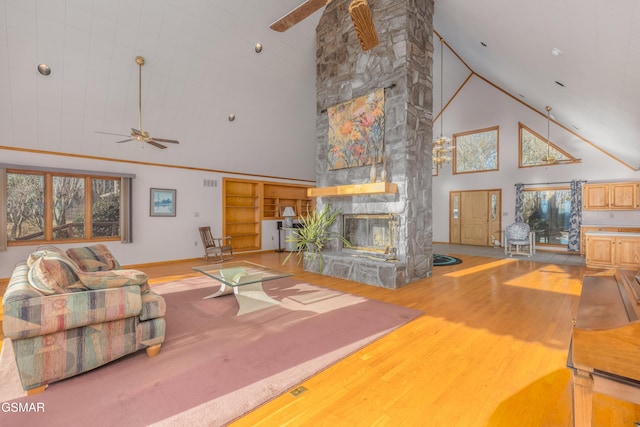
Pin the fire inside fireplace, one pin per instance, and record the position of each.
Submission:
(370, 232)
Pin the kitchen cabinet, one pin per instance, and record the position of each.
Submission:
(612, 250)
(611, 196)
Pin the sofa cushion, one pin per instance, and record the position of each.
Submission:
(54, 274)
(94, 258)
(45, 250)
(112, 278)
(48, 314)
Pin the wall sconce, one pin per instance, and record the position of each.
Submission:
(44, 69)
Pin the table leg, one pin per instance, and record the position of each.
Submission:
(224, 290)
(582, 390)
(252, 298)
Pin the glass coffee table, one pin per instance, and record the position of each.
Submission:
(244, 280)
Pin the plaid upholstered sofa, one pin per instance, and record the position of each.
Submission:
(69, 312)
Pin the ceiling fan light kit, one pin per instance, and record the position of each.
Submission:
(363, 23)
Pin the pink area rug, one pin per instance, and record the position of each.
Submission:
(214, 366)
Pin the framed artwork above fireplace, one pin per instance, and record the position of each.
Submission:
(356, 131)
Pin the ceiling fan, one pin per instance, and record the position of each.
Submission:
(358, 9)
(139, 134)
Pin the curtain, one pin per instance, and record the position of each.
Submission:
(125, 210)
(575, 217)
(3, 210)
(519, 203)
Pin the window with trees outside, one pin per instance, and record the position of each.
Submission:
(547, 211)
(476, 151)
(534, 150)
(53, 207)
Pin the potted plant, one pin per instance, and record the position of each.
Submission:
(314, 233)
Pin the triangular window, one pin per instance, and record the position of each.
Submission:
(535, 151)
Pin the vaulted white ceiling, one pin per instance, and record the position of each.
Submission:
(201, 66)
(598, 66)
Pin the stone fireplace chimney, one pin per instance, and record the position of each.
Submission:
(402, 64)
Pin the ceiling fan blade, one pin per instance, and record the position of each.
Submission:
(136, 132)
(298, 14)
(155, 144)
(173, 141)
(110, 133)
(124, 140)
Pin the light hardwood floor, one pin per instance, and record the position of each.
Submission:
(490, 350)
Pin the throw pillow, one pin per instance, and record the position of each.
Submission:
(113, 279)
(54, 274)
(94, 258)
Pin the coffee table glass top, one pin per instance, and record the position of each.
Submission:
(241, 273)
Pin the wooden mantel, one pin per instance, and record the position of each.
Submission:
(354, 190)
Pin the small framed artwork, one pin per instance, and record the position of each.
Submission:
(162, 202)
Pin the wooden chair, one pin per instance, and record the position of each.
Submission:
(215, 246)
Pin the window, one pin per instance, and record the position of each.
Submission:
(54, 207)
(534, 150)
(547, 211)
(476, 151)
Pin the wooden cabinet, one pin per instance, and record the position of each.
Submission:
(246, 203)
(276, 197)
(611, 196)
(612, 251)
(241, 214)
(603, 228)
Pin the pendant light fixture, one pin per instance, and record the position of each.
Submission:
(441, 151)
(549, 159)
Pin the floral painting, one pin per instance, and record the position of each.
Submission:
(356, 131)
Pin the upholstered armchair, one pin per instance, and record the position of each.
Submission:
(518, 239)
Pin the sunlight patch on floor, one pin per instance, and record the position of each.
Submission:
(479, 268)
(547, 278)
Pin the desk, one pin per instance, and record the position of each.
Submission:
(244, 280)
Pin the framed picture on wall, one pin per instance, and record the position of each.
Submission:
(162, 202)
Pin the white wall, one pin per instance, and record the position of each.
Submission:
(155, 239)
(480, 105)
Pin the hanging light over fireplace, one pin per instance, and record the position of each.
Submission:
(441, 148)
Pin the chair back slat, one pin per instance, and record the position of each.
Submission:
(207, 237)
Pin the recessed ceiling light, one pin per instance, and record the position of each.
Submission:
(44, 69)
(559, 84)
(555, 51)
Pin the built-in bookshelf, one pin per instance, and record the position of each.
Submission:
(277, 197)
(247, 202)
(241, 213)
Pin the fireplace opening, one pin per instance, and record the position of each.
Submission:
(370, 232)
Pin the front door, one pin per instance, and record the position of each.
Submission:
(474, 213)
(475, 217)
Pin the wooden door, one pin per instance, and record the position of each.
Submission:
(624, 195)
(474, 221)
(600, 251)
(596, 196)
(628, 252)
(454, 217)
